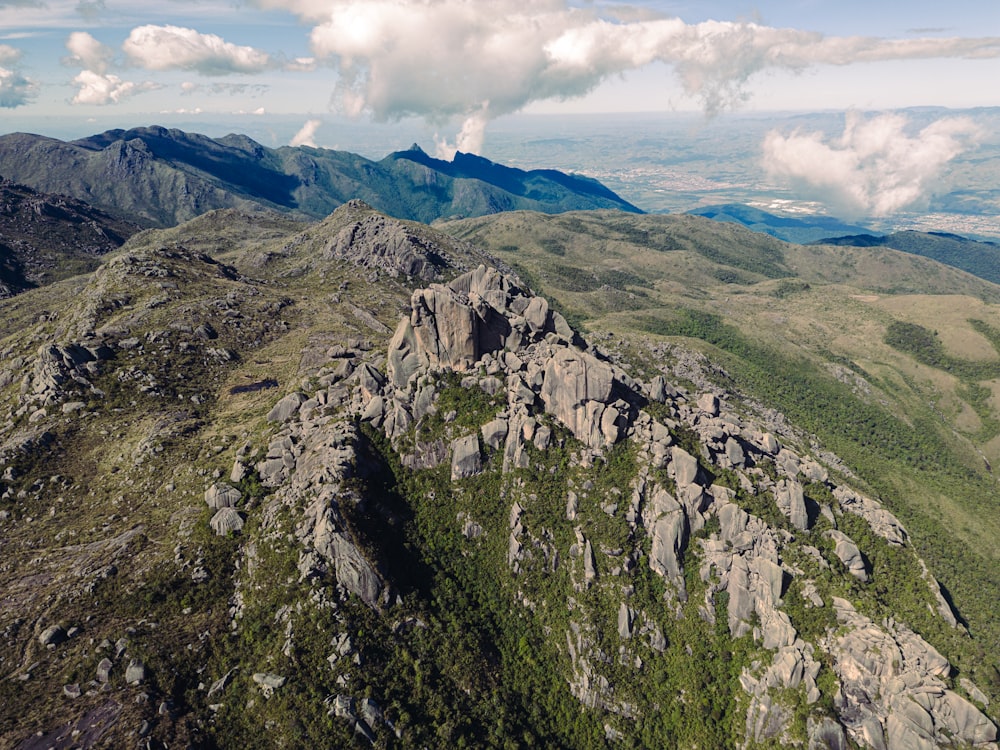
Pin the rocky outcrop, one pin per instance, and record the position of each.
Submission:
(893, 689)
(378, 242)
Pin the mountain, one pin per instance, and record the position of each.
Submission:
(354, 483)
(44, 238)
(163, 177)
(802, 230)
(981, 259)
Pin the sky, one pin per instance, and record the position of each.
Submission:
(458, 65)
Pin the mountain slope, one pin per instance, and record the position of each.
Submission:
(163, 177)
(44, 238)
(981, 259)
(355, 485)
(835, 338)
(791, 229)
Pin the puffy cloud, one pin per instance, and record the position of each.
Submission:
(444, 58)
(307, 135)
(179, 48)
(875, 168)
(102, 89)
(15, 89)
(86, 52)
(95, 84)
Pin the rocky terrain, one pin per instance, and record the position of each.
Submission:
(44, 238)
(159, 178)
(355, 484)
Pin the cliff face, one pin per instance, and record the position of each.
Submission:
(238, 503)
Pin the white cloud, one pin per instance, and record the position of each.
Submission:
(876, 168)
(15, 89)
(102, 89)
(86, 52)
(307, 135)
(9, 55)
(300, 65)
(178, 48)
(455, 58)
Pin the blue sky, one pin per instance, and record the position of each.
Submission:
(459, 64)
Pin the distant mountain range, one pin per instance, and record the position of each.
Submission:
(981, 259)
(801, 230)
(162, 177)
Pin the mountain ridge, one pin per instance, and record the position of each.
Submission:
(166, 176)
(357, 476)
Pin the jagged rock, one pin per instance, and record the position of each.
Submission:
(226, 521)
(849, 554)
(575, 390)
(734, 452)
(449, 331)
(135, 672)
(353, 571)
(268, 682)
(239, 471)
(52, 635)
(974, 692)
(589, 564)
(470, 529)
(709, 403)
(882, 521)
(403, 357)
(891, 672)
(685, 466)
(825, 734)
(221, 495)
(791, 501)
(669, 534)
(379, 242)
(495, 433)
(104, 667)
(286, 408)
(466, 460)
(624, 622)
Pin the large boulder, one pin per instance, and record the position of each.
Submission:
(576, 389)
(466, 460)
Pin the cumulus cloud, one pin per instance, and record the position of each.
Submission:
(15, 89)
(876, 168)
(95, 84)
(86, 52)
(307, 135)
(102, 89)
(178, 48)
(440, 59)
